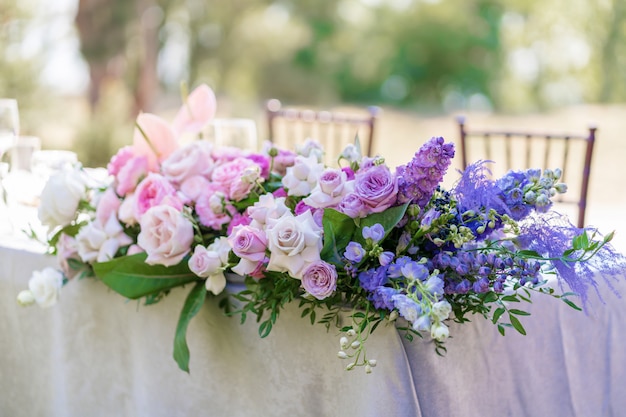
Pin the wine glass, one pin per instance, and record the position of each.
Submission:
(238, 133)
(9, 131)
(9, 124)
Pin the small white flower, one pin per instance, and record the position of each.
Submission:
(439, 332)
(25, 298)
(45, 286)
(342, 355)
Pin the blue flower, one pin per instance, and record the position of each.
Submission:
(375, 232)
(354, 252)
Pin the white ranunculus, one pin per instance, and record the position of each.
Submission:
(302, 176)
(60, 198)
(295, 242)
(45, 286)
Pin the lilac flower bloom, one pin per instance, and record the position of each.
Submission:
(463, 287)
(413, 270)
(354, 252)
(385, 258)
(375, 232)
(423, 323)
(377, 188)
(481, 286)
(418, 179)
(430, 216)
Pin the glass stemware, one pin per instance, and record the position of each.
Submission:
(9, 132)
(239, 133)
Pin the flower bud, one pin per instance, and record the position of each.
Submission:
(25, 298)
(343, 342)
(372, 362)
(394, 315)
(355, 344)
(351, 333)
(342, 355)
(350, 366)
(368, 369)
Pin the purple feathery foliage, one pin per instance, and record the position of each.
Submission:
(551, 234)
(476, 190)
(418, 179)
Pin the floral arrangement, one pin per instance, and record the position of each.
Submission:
(384, 246)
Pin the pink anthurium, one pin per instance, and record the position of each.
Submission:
(153, 138)
(197, 111)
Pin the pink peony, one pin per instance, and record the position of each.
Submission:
(189, 161)
(193, 187)
(152, 191)
(233, 177)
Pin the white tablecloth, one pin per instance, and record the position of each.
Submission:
(97, 354)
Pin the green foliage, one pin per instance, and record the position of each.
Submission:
(131, 277)
(193, 303)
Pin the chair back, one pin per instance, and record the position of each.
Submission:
(520, 150)
(333, 129)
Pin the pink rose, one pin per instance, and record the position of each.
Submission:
(166, 235)
(157, 142)
(248, 242)
(377, 187)
(204, 262)
(320, 279)
(332, 186)
(193, 187)
(197, 111)
(189, 161)
(153, 191)
(108, 205)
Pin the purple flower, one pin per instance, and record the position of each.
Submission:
(320, 279)
(376, 232)
(418, 179)
(381, 297)
(373, 278)
(395, 269)
(408, 308)
(354, 252)
(377, 187)
(353, 206)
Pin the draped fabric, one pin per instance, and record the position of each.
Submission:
(97, 354)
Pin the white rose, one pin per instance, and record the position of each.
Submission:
(60, 198)
(294, 242)
(45, 286)
(166, 235)
(222, 247)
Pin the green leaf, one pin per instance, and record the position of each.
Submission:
(388, 219)
(571, 304)
(192, 306)
(519, 312)
(131, 277)
(338, 231)
(501, 329)
(528, 253)
(581, 241)
(496, 314)
(510, 298)
(517, 324)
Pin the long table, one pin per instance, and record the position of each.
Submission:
(98, 354)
